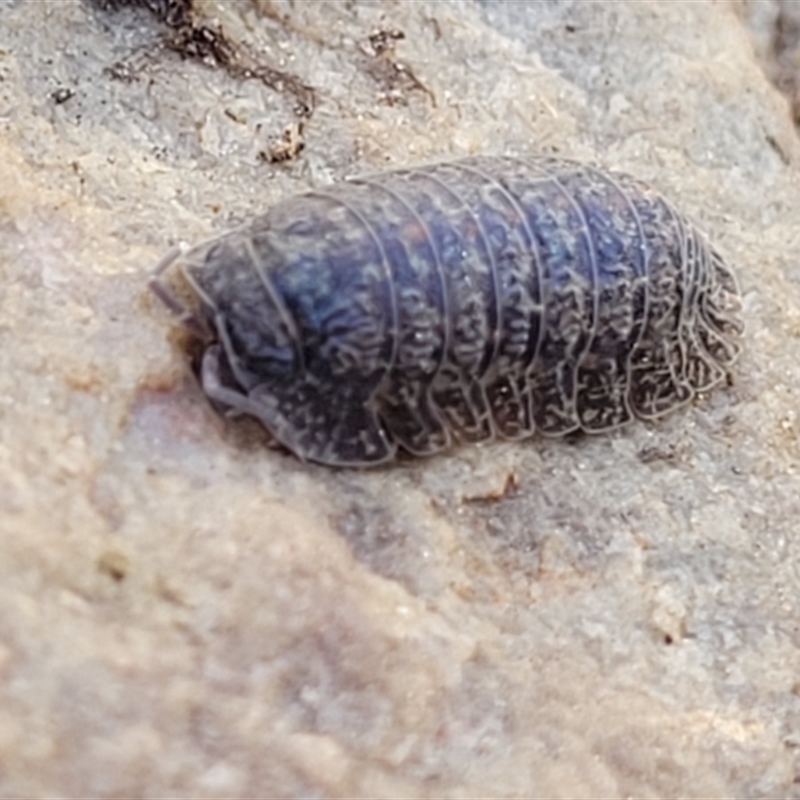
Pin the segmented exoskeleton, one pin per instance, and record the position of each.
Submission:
(484, 297)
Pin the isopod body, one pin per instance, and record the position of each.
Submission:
(484, 297)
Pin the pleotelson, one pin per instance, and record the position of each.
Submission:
(458, 302)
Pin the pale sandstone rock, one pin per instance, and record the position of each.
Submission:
(186, 612)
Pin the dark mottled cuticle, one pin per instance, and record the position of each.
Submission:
(458, 302)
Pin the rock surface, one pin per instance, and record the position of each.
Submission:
(187, 612)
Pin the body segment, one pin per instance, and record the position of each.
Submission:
(487, 297)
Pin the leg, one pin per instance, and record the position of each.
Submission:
(188, 318)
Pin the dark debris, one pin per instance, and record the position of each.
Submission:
(61, 95)
(289, 146)
(384, 40)
(198, 40)
(175, 13)
(395, 78)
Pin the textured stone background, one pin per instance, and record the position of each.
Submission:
(187, 612)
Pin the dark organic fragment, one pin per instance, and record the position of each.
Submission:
(198, 40)
(487, 297)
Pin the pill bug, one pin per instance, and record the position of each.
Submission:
(458, 302)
